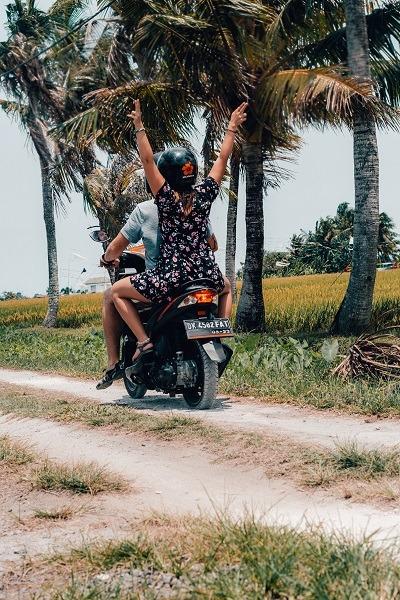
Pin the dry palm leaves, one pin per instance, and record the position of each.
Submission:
(372, 355)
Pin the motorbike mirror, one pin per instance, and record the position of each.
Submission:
(99, 236)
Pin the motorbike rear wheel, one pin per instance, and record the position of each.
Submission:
(135, 390)
(204, 395)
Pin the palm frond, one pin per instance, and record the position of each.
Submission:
(68, 11)
(328, 48)
(69, 166)
(319, 95)
(96, 191)
(14, 109)
(386, 74)
(111, 194)
(119, 69)
(168, 113)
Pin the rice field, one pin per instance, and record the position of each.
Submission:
(293, 304)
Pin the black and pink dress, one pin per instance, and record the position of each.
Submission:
(184, 252)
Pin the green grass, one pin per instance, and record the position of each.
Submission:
(78, 352)
(228, 560)
(79, 478)
(264, 367)
(366, 463)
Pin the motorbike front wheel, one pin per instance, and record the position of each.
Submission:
(204, 395)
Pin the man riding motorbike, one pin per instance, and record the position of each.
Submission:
(141, 225)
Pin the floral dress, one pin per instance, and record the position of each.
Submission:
(184, 252)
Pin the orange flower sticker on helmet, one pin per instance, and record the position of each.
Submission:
(188, 169)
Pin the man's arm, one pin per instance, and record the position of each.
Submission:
(213, 242)
(116, 248)
(129, 234)
(211, 239)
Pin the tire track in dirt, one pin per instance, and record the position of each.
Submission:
(304, 424)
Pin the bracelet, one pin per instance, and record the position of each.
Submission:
(139, 130)
(104, 261)
(232, 130)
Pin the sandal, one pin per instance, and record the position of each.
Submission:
(111, 375)
(136, 366)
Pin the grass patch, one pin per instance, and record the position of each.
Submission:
(367, 463)
(80, 478)
(298, 374)
(77, 352)
(13, 452)
(349, 463)
(61, 513)
(338, 470)
(219, 558)
(48, 475)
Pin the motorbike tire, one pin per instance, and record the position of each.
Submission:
(135, 390)
(204, 396)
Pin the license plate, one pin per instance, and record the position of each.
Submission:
(206, 328)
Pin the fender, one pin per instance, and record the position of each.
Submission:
(215, 350)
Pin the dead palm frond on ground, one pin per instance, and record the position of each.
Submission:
(372, 355)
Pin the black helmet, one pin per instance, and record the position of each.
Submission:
(179, 167)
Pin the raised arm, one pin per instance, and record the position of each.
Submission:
(237, 118)
(153, 175)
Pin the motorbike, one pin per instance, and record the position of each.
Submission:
(189, 352)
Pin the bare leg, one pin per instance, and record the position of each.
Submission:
(225, 301)
(122, 294)
(112, 326)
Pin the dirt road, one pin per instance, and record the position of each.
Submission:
(179, 479)
(305, 424)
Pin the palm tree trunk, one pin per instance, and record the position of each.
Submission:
(41, 141)
(250, 314)
(355, 312)
(230, 250)
(48, 215)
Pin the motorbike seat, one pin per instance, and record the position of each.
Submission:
(190, 286)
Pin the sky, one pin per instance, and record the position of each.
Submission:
(322, 177)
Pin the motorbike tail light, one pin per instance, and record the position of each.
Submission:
(200, 297)
(206, 296)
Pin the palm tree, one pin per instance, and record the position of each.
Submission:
(328, 248)
(29, 29)
(37, 95)
(355, 312)
(388, 241)
(212, 54)
(112, 193)
(49, 89)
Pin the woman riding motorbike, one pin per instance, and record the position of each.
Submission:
(183, 214)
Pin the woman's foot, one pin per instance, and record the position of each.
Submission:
(142, 349)
(110, 375)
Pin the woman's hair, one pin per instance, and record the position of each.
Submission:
(187, 201)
